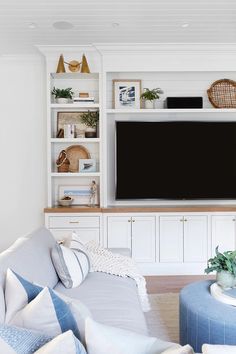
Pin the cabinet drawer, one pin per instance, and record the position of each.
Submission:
(85, 235)
(73, 222)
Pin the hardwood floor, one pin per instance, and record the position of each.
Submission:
(171, 284)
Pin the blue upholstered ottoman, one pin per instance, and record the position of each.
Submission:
(204, 319)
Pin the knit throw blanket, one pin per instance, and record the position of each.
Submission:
(102, 260)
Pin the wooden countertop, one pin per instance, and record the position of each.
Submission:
(73, 209)
(143, 209)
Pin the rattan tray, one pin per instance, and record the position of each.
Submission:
(74, 154)
(222, 94)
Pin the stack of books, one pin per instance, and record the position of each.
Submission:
(83, 97)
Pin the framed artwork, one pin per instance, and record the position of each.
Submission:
(126, 94)
(73, 119)
(80, 194)
(87, 165)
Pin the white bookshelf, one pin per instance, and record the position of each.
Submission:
(74, 106)
(79, 82)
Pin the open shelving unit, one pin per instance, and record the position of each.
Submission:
(169, 111)
(79, 82)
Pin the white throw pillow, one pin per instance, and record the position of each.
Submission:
(25, 290)
(51, 315)
(101, 339)
(218, 349)
(182, 350)
(72, 265)
(65, 343)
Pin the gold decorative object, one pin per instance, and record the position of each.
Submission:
(60, 65)
(74, 65)
(84, 67)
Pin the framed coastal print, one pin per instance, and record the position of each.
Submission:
(80, 194)
(126, 94)
(87, 165)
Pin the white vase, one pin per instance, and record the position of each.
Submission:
(225, 279)
(62, 100)
(149, 104)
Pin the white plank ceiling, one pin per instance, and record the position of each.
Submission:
(115, 21)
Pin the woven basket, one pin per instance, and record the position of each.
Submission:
(222, 94)
(62, 162)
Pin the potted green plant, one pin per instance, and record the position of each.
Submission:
(149, 96)
(62, 95)
(224, 264)
(90, 119)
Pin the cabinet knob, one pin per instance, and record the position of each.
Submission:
(233, 219)
(133, 220)
(185, 220)
(129, 220)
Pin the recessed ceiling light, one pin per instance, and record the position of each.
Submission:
(115, 24)
(185, 25)
(32, 25)
(63, 25)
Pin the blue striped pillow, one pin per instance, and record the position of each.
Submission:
(72, 265)
(25, 290)
(49, 314)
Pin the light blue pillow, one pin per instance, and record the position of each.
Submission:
(25, 290)
(21, 340)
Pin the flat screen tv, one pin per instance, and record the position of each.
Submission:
(175, 160)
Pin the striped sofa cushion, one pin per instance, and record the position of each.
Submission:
(72, 265)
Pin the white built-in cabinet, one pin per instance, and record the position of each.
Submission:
(136, 233)
(87, 227)
(183, 239)
(162, 241)
(223, 232)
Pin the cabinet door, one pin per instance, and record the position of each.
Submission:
(195, 238)
(119, 232)
(86, 235)
(171, 239)
(223, 233)
(143, 238)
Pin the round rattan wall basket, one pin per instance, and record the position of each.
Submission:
(222, 94)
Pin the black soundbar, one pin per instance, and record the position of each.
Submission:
(183, 102)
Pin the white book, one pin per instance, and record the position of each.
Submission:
(83, 98)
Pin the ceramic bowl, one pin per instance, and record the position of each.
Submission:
(65, 202)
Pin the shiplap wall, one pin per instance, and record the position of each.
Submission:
(172, 83)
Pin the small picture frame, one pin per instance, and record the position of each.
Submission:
(87, 165)
(126, 94)
(81, 194)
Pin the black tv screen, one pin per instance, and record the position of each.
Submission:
(175, 160)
